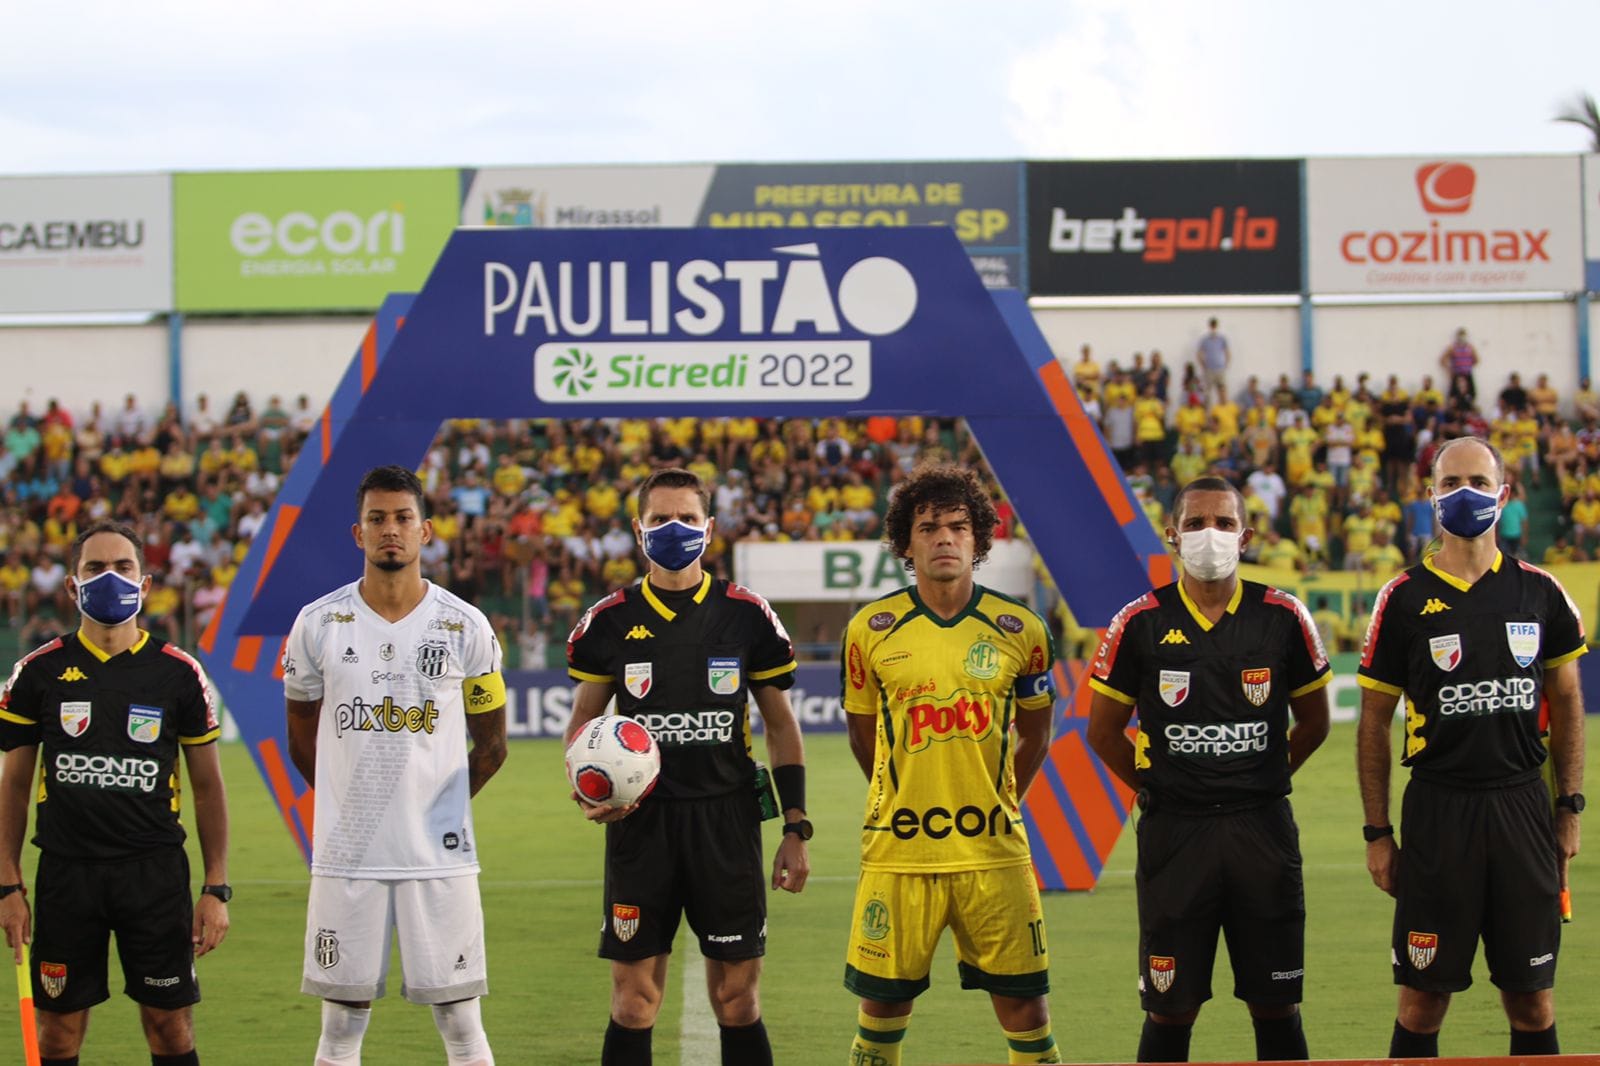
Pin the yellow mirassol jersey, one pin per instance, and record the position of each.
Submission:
(943, 794)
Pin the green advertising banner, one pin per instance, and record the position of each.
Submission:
(308, 240)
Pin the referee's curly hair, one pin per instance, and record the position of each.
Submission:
(940, 487)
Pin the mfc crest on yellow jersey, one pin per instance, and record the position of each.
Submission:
(943, 794)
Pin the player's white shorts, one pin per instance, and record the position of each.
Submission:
(349, 922)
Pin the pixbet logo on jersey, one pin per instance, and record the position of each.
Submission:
(962, 715)
(659, 320)
(1445, 189)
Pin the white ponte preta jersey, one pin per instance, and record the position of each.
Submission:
(392, 797)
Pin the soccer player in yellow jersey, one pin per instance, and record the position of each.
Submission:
(949, 694)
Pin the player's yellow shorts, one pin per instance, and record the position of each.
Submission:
(994, 916)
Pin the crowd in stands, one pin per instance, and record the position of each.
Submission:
(531, 517)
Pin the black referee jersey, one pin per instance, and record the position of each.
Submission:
(1470, 660)
(683, 663)
(110, 727)
(1212, 698)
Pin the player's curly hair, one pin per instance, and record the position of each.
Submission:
(940, 487)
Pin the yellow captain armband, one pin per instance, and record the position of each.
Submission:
(484, 693)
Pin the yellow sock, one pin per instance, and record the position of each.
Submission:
(1034, 1045)
(877, 1041)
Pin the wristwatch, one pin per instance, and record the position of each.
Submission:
(6, 890)
(801, 829)
(1370, 833)
(222, 892)
(1573, 802)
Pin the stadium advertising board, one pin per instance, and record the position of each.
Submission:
(1164, 228)
(1591, 222)
(859, 571)
(980, 201)
(583, 197)
(1482, 224)
(308, 240)
(86, 244)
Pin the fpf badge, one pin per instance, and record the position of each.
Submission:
(1257, 685)
(624, 921)
(1422, 947)
(1163, 968)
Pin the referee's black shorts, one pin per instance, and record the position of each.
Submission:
(78, 905)
(700, 858)
(1238, 873)
(1477, 862)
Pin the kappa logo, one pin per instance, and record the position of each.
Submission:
(1422, 947)
(53, 976)
(1174, 636)
(624, 921)
(72, 673)
(1163, 968)
(1446, 651)
(1434, 606)
(327, 949)
(638, 633)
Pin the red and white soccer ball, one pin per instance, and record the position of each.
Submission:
(613, 761)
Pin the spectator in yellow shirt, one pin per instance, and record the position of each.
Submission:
(1358, 532)
(602, 500)
(1086, 372)
(1382, 559)
(14, 586)
(181, 504)
(508, 478)
(1191, 418)
(1586, 518)
(1280, 553)
(619, 571)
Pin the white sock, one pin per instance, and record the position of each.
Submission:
(461, 1025)
(342, 1030)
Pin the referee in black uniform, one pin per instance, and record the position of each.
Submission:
(111, 706)
(1474, 640)
(1216, 668)
(682, 653)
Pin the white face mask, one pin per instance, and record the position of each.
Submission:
(1209, 554)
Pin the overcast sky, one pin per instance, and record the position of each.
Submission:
(102, 86)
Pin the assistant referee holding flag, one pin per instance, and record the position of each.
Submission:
(1216, 667)
(1474, 640)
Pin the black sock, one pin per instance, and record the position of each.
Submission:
(626, 1047)
(1164, 1043)
(1405, 1044)
(1543, 1042)
(746, 1045)
(69, 1061)
(188, 1058)
(1281, 1039)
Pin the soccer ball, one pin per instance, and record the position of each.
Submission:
(613, 762)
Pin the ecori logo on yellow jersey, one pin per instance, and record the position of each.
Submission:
(948, 717)
(359, 716)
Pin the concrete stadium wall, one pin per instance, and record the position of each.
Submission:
(81, 364)
(263, 357)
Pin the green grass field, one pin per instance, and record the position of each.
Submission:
(549, 1001)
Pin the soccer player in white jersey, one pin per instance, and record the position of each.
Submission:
(385, 679)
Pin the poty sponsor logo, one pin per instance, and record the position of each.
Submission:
(1216, 739)
(1160, 240)
(689, 727)
(1490, 697)
(359, 716)
(964, 716)
(118, 774)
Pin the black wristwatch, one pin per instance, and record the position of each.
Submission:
(1574, 803)
(222, 892)
(801, 829)
(6, 890)
(1370, 833)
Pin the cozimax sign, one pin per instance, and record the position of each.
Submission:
(1444, 225)
(1213, 227)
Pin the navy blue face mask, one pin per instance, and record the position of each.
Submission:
(673, 545)
(109, 598)
(1467, 512)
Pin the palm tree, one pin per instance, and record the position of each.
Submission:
(1583, 112)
